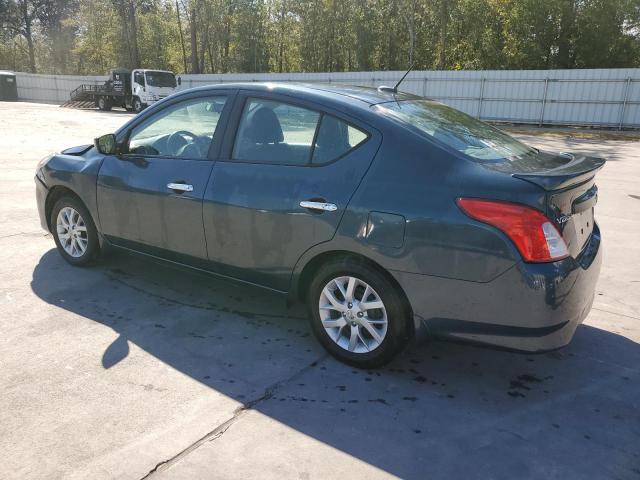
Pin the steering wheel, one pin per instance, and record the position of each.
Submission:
(178, 139)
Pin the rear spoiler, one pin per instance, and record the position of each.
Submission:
(577, 171)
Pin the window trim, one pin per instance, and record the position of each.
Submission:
(218, 135)
(244, 95)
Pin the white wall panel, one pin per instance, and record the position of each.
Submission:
(605, 97)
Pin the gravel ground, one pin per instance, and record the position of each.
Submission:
(133, 368)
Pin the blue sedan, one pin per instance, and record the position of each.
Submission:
(389, 215)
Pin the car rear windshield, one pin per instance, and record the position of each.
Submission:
(474, 138)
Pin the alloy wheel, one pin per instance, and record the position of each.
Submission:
(353, 314)
(72, 232)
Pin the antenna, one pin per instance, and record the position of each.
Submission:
(395, 89)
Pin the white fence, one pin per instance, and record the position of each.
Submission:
(595, 97)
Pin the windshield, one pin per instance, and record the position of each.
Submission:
(160, 79)
(472, 137)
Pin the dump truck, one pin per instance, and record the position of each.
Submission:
(133, 90)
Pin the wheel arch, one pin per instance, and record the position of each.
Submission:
(303, 279)
(56, 193)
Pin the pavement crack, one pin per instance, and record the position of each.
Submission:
(238, 413)
(615, 313)
(26, 234)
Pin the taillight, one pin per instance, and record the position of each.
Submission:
(537, 239)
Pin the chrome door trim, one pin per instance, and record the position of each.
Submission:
(322, 206)
(182, 187)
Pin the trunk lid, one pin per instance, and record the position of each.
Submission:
(571, 195)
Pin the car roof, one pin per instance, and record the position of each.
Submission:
(365, 96)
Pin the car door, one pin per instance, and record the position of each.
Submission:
(150, 196)
(281, 185)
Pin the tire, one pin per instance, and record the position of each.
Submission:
(137, 105)
(104, 104)
(369, 351)
(86, 234)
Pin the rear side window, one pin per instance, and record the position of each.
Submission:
(335, 138)
(275, 132)
(281, 133)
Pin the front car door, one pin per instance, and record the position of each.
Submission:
(284, 153)
(150, 197)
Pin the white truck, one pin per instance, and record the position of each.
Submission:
(133, 90)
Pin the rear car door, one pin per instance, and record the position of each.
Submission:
(150, 197)
(281, 185)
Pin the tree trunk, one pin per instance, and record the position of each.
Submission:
(195, 66)
(184, 51)
(27, 33)
(32, 53)
(567, 24)
(135, 51)
(410, 19)
(282, 32)
(444, 21)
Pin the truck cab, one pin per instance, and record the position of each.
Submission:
(133, 90)
(149, 86)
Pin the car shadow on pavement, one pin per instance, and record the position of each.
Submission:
(440, 409)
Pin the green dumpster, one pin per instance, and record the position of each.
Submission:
(8, 87)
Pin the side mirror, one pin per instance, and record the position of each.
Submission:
(179, 80)
(106, 144)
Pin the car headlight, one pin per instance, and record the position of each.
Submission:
(43, 162)
(40, 166)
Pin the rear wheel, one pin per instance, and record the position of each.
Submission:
(74, 232)
(104, 103)
(357, 314)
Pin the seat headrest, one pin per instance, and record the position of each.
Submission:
(263, 126)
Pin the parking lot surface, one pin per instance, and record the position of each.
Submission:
(133, 368)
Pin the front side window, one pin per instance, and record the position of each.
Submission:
(183, 130)
(138, 77)
(275, 132)
(477, 139)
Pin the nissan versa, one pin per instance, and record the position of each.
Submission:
(390, 215)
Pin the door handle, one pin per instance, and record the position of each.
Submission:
(322, 206)
(180, 187)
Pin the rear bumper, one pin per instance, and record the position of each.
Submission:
(530, 307)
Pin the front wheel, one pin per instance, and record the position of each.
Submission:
(357, 314)
(137, 105)
(74, 232)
